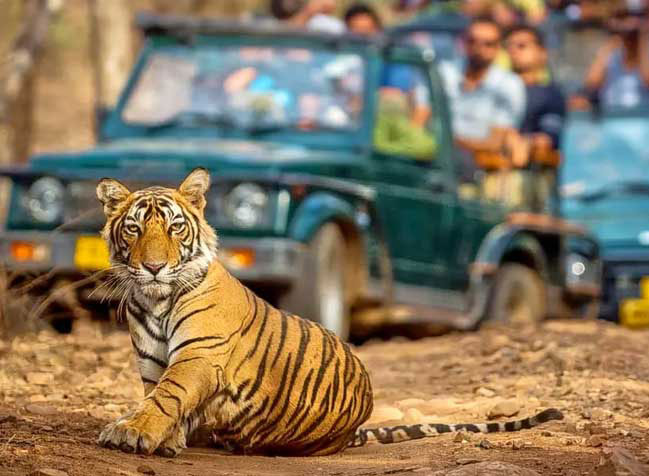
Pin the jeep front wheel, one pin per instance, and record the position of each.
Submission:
(518, 296)
(319, 293)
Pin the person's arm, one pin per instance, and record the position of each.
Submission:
(597, 72)
(492, 143)
(643, 52)
(550, 122)
(421, 110)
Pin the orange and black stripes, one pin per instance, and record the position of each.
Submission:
(210, 352)
(396, 434)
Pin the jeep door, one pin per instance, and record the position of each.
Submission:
(413, 199)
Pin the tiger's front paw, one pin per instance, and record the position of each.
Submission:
(174, 444)
(140, 433)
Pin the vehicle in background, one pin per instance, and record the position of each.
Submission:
(605, 186)
(328, 199)
(602, 181)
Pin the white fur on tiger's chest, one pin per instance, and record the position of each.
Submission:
(150, 346)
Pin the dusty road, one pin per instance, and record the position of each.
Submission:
(57, 392)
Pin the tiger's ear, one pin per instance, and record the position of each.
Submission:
(111, 194)
(195, 186)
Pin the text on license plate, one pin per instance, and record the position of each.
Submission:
(635, 312)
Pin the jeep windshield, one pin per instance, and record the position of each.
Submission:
(605, 156)
(248, 89)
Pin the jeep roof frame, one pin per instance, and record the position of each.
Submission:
(184, 28)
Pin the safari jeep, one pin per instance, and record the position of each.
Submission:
(335, 192)
(605, 186)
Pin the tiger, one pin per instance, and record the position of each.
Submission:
(214, 356)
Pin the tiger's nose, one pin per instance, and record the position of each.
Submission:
(153, 268)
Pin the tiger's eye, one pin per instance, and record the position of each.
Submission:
(132, 228)
(177, 227)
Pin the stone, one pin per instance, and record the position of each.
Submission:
(594, 429)
(600, 414)
(462, 436)
(413, 416)
(48, 472)
(504, 408)
(494, 344)
(41, 409)
(145, 469)
(485, 392)
(39, 378)
(464, 461)
(485, 444)
(571, 440)
(518, 444)
(617, 461)
(538, 345)
(595, 441)
(487, 468)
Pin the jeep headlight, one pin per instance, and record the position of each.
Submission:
(44, 200)
(580, 269)
(246, 205)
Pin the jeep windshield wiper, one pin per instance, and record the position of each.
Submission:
(638, 187)
(195, 119)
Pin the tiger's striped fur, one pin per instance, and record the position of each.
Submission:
(396, 434)
(212, 354)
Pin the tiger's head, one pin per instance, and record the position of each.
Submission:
(158, 237)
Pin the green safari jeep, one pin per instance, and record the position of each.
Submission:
(335, 190)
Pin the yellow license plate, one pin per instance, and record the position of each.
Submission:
(634, 313)
(91, 253)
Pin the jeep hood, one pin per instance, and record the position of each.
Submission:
(142, 159)
(619, 222)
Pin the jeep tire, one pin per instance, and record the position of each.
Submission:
(319, 293)
(518, 296)
(584, 309)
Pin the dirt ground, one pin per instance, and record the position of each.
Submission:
(56, 393)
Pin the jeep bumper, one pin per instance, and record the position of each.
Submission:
(263, 260)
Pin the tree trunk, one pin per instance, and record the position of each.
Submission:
(18, 82)
(111, 46)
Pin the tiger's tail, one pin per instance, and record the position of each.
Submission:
(397, 434)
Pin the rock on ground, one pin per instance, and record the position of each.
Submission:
(58, 392)
(617, 461)
(488, 468)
